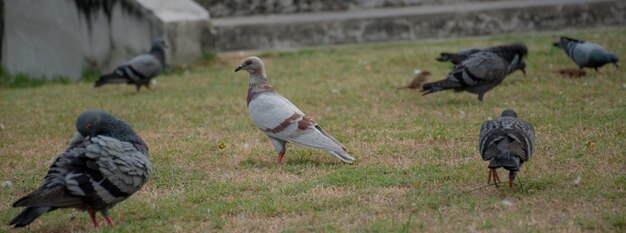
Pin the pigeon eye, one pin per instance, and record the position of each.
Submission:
(248, 63)
(89, 126)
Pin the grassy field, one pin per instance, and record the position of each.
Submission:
(417, 157)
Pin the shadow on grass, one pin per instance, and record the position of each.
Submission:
(295, 161)
(463, 99)
(535, 184)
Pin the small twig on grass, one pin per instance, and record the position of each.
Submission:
(483, 187)
(518, 181)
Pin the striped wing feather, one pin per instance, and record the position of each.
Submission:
(101, 171)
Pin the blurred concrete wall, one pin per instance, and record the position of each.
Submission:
(469, 18)
(231, 8)
(63, 38)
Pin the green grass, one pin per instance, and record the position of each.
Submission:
(417, 157)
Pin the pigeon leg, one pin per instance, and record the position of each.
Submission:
(107, 217)
(496, 179)
(481, 96)
(616, 66)
(148, 86)
(92, 215)
(512, 175)
(596, 68)
(490, 174)
(137, 87)
(281, 155)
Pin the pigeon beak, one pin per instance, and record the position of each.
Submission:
(239, 68)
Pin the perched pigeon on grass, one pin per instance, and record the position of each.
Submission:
(481, 71)
(104, 164)
(506, 142)
(586, 54)
(139, 70)
(282, 121)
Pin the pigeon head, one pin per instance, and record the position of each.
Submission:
(512, 53)
(158, 44)
(95, 122)
(251, 64)
(519, 49)
(520, 65)
(508, 113)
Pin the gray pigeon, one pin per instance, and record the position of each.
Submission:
(586, 54)
(104, 164)
(139, 70)
(506, 142)
(481, 71)
(282, 121)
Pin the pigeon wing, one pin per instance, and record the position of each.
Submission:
(484, 67)
(494, 130)
(274, 115)
(99, 172)
(53, 191)
(279, 118)
(124, 169)
(146, 65)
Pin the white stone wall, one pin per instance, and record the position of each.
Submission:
(60, 38)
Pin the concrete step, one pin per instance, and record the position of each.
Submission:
(238, 8)
(411, 23)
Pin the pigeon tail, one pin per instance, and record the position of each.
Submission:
(505, 156)
(32, 199)
(569, 39)
(452, 57)
(445, 57)
(110, 78)
(29, 215)
(441, 85)
(342, 155)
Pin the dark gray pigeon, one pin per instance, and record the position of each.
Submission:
(506, 142)
(586, 54)
(139, 70)
(104, 164)
(481, 71)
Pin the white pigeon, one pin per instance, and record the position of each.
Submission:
(282, 121)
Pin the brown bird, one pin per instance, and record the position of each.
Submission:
(420, 78)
